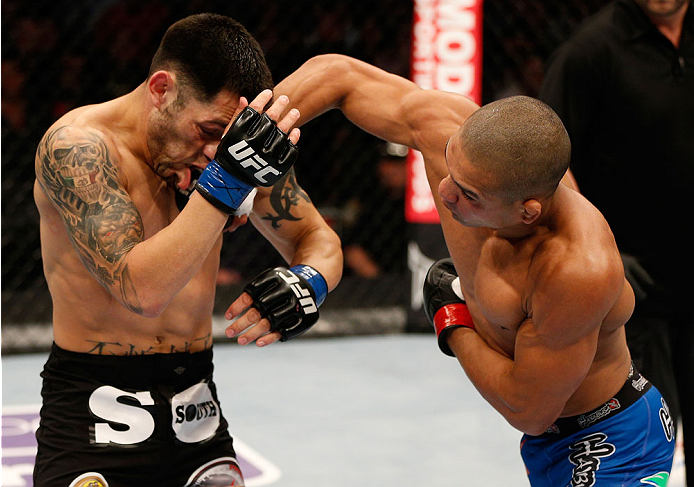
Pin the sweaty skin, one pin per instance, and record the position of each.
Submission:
(543, 281)
(128, 272)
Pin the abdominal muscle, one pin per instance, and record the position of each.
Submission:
(87, 319)
(105, 327)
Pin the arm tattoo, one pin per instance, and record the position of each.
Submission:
(74, 169)
(283, 197)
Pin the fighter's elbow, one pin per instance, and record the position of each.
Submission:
(143, 305)
(532, 422)
(150, 311)
(533, 428)
(334, 276)
(327, 254)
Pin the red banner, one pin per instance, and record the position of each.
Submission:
(447, 56)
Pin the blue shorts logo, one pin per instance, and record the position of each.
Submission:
(586, 456)
(666, 421)
(659, 480)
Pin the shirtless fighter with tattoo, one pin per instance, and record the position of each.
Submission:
(534, 301)
(128, 395)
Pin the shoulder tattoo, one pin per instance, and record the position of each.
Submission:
(75, 170)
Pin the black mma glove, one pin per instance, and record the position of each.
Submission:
(254, 152)
(443, 302)
(288, 298)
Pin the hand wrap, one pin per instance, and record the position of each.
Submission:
(443, 302)
(254, 152)
(288, 298)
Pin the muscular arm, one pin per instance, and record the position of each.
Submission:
(77, 171)
(389, 107)
(383, 104)
(553, 352)
(286, 217)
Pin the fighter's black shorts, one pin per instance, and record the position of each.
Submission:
(121, 421)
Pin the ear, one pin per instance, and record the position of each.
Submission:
(530, 210)
(162, 88)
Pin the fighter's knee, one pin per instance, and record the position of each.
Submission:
(222, 471)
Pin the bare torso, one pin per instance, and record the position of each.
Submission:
(86, 318)
(498, 275)
(497, 279)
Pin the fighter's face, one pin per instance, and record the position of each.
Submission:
(186, 136)
(467, 192)
(661, 8)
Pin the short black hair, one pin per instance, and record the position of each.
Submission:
(211, 53)
(522, 142)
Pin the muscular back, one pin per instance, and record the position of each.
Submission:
(98, 199)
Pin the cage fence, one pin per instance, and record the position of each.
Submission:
(58, 55)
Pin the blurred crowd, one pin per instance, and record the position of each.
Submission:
(60, 55)
(63, 54)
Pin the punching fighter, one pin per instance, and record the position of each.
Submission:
(533, 301)
(128, 394)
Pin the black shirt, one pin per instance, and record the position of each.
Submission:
(626, 96)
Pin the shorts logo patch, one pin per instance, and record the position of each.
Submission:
(586, 420)
(222, 471)
(666, 421)
(586, 456)
(659, 480)
(640, 383)
(195, 414)
(89, 479)
(104, 403)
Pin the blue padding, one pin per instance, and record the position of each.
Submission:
(314, 278)
(223, 186)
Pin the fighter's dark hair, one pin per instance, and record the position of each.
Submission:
(211, 53)
(522, 142)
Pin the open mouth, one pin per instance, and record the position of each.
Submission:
(183, 179)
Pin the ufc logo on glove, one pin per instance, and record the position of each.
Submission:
(246, 156)
(302, 293)
(261, 154)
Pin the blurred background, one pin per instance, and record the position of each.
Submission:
(57, 55)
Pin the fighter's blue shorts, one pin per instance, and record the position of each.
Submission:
(628, 441)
